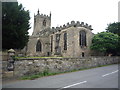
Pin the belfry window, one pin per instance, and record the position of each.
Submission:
(65, 41)
(82, 38)
(38, 46)
(44, 22)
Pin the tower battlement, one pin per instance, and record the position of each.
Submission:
(42, 15)
(41, 22)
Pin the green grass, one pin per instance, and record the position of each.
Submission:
(32, 77)
(46, 73)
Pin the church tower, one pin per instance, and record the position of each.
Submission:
(41, 22)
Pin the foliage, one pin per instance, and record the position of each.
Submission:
(105, 42)
(15, 25)
(114, 28)
(44, 73)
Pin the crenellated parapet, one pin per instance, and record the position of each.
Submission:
(48, 31)
(42, 15)
(72, 24)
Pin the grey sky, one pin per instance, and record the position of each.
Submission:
(97, 13)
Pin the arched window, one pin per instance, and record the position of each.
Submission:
(82, 38)
(51, 43)
(65, 41)
(38, 46)
(44, 22)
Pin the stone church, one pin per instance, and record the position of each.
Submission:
(70, 40)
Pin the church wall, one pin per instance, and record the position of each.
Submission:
(70, 43)
(31, 48)
(69, 51)
(78, 49)
(73, 47)
(53, 45)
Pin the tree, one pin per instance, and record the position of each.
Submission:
(15, 25)
(105, 42)
(114, 28)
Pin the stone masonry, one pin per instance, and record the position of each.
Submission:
(43, 41)
(30, 66)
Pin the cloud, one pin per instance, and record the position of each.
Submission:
(97, 13)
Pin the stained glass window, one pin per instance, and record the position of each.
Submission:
(65, 41)
(38, 46)
(82, 38)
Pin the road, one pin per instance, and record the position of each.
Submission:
(101, 77)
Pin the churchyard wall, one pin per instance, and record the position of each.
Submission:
(30, 66)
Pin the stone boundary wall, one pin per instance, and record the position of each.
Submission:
(29, 66)
(4, 55)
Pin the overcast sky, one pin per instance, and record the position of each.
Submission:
(97, 13)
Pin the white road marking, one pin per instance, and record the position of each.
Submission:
(109, 73)
(75, 84)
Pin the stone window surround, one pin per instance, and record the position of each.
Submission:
(65, 40)
(83, 46)
(38, 46)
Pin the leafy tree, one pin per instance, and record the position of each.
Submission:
(105, 42)
(114, 28)
(15, 25)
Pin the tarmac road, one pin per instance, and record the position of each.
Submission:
(101, 77)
